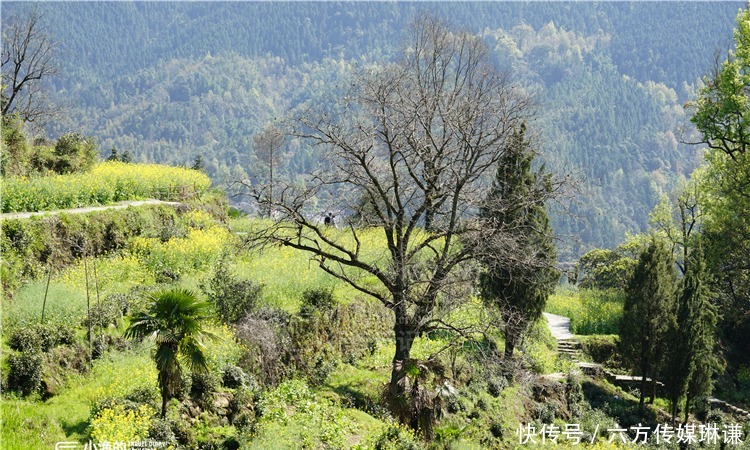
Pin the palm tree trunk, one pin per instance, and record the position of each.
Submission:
(164, 399)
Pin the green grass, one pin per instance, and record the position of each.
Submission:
(65, 304)
(30, 423)
(590, 311)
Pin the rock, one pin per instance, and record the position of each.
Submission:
(221, 402)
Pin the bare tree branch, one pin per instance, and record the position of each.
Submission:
(27, 60)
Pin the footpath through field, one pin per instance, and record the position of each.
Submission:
(120, 205)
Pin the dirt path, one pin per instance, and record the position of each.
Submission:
(120, 205)
(559, 326)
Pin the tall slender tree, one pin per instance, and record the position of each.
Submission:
(515, 208)
(699, 321)
(648, 314)
(268, 146)
(174, 322)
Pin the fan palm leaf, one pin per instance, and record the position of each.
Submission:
(174, 322)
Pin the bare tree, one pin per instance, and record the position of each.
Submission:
(415, 144)
(268, 145)
(27, 59)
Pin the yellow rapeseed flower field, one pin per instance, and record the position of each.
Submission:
(106, 183)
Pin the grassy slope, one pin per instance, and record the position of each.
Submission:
(286, 274)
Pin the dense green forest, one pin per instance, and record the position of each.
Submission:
(170, 82)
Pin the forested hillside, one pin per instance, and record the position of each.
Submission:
(169, 82)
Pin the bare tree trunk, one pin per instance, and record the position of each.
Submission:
(653, 391)
(88, 309)
(641, 400)
(270, 186)
(398, 393)
(46, 291)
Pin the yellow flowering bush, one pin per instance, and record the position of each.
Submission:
(197, 250)
(109, 272)
(118, 424)
(106, 183)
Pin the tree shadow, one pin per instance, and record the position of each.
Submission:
(624, 410)
(75, 429)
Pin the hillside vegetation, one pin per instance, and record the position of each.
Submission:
(610, 79)
(400, 221)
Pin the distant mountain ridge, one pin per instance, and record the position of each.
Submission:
(171, 80)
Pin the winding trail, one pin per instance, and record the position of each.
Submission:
(120, 205)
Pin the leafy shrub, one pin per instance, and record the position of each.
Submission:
(574, 393)
(234, 213)
(204, 387)
(232, 297)
(74, 153)
(496, 384)
(161, 430)
(234, 377)
(324, 425)
(318, 299)
(216, 438)
(602, 349)
(104, 314)
(25, 372)
(102, 343)
(40, 337)
(241, 411)
(149, 395)
(390, 437)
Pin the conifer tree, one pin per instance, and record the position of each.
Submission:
(518, 291)
(701, 323)
(648, 314)
(692, 361)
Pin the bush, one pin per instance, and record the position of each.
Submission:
(602, 349)
(268, 346)
(233, 298)
(204, 387)
(40, 337)
(25, 372)
(234, 377)
(104, 314)
(496, 384)
(74, 153)
(391, 437)
(161, 431)
(318, 299)
(241, 411)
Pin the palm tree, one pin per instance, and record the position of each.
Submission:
(174, 322)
